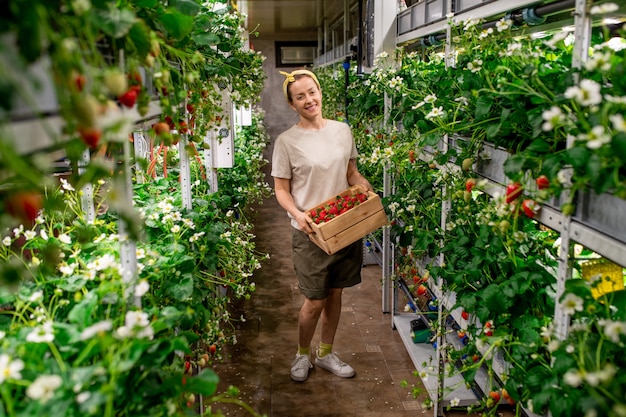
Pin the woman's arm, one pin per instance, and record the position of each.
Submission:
(356, 178)
(282, 189)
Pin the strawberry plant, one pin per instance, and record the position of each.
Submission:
(498, 261)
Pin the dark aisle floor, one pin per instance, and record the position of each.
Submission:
(259, 364)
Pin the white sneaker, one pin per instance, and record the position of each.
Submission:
(335, 365)
(300, 368)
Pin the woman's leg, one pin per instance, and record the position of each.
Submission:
(307, 320)
(330, 315)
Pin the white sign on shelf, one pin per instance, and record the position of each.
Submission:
(221, 140)
(243, 116)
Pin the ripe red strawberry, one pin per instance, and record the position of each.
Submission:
(161, 128)
(470, 183)
(79, 81)
(513, 191)
(134, 78)
(411, 156)
(90, 135)
(212, 349)
(542, 182)
(488, 329)
(422, 290)
(465, 315)
(190, 108)
(24, 205)
(495, 395)
(507, 397)
(530, 207)
(129, 98)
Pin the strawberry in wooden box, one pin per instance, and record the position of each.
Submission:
(346, 218)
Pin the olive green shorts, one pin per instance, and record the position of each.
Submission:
(317, 271)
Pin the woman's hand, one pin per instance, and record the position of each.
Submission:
(303, 220)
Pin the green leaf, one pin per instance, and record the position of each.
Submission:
(493, 130)
(561, 404)
(470, 374)
(467, 301)
(72, 284)
(187, 7)
(513, 165)
(205, 383)
(528, 336)
(431, 139)
(135, 353)
(183, 289)
(205, 38)
(483, 107)
(29, 37)
(494, 300)
(409, 119)
(577, 156)
(115, 22)
(618, 144)
(536, 121)
(81, 313)
(552, 164)
(505, 114)
(539, 146)
(594, 168)
(139, 34)
(176, 24)
(146, 4)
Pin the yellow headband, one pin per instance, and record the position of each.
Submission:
(291, 77)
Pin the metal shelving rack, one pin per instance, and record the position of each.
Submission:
(598, 223)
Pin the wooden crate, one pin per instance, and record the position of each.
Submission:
(350, 226)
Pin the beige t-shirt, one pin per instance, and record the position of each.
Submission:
(316, 162)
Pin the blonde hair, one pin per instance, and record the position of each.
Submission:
(290, 77)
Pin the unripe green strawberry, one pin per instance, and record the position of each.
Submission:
(149, 61)
(466, 165)
(115, 82)
(86, 109)
(155, 47)
(568, 209)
